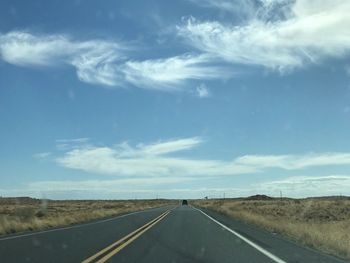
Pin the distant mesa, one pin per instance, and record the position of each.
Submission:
(259, 197)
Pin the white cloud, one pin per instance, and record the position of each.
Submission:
(307, 32)
(294, 162)
(303, 186)
(67, 144)
(148, 160)
(202, 91)
(119, 185)
(105, 62)
(170, 146)
(24, 49)
(170, 73)
(156, 160)
(170, 187)
(114, 189)
(94, 60)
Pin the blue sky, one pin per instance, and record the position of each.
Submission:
(180, 99)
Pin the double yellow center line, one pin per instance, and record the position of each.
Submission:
(111, 250)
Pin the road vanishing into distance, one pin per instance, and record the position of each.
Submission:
(166, 234)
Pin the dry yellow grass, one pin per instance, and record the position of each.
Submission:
(26, 214)
(323, 224)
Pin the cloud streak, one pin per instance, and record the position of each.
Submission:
(275, 34)
(158, 160)
(172, 187)
(170, 73)
(94, 60)
(119, 185)
(294, 162)
(150, 160)
(202, 91)
(293, 38)
(105, 63)
(304, 186)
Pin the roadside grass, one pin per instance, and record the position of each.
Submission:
(323, 224)
(27, 214)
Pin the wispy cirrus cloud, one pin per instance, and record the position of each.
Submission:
(94, 60)
(202, 91)
(171, 73)
(157, 160)
(181, 187)
(118, 185)
(293, 38)
(66, 144)
(104, 62)
(304, 186)
(150, 160)
(249, 9)
(295, 162)
(170, 146)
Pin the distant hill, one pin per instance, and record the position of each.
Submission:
(259, 197)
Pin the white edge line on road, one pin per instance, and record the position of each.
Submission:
(75, 226)
(265, 252)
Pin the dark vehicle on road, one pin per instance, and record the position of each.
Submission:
(184, 202)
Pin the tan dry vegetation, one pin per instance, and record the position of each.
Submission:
(323, 224)
(27, 214)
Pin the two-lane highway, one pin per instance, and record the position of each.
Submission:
(167, 234)
(72, 244)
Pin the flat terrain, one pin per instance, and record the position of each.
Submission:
(321, 223)
(167, 234)
(28, 214)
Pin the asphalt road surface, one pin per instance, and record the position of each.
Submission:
(166, 234)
